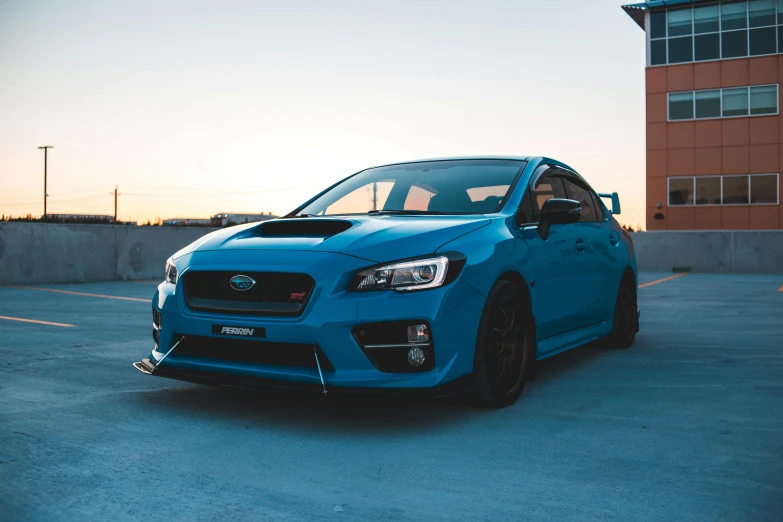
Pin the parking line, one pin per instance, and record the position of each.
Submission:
(83, 294)
(675, 276)
(64, 325)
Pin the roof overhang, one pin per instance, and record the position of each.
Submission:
(637, 11)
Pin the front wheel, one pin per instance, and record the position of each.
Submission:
(505, 347)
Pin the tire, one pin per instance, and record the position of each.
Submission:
(626, 317)
(505, 347)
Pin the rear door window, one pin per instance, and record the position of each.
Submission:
(581, 193)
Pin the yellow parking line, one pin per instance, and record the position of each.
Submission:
(83, 293)
(65, 325)
(675, 276)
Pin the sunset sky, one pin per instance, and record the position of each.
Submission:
(194, 108)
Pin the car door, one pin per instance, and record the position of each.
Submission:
(600, 254)
(561, 272)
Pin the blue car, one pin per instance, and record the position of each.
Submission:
(432, 277)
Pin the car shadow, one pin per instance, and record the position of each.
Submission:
(369, 414)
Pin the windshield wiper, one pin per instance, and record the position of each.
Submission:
(299, 216)
(406, 212)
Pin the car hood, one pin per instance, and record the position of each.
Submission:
(374, 238)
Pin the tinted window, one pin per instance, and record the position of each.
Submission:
(733, 15)
(681, 49)
(708, 104)
(526, 214)
(735, 102)
(735, 44)
(658, 52)
(735, 189)
(764, 189)
(680, 22)
(707, 47)
(681, 106)
(705, 19)
(761, 13)
(681, 191)
(658, 24)
(708, 191)
(762, 41)
(547, 187)
(599, 208)
(764, 100)
(579, 192)
(446, 187)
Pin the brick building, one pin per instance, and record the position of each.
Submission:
(714, 130)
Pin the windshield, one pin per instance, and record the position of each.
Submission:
(429, 187)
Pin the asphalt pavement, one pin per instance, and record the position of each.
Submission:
(685, 425)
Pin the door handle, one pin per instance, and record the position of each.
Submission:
(580, 245)
(614, 239)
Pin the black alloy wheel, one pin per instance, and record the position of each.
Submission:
(505, 348)
(626, 316)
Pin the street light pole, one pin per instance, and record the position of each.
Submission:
(46, 150)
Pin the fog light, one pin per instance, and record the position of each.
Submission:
(418, 333)
(416, 356)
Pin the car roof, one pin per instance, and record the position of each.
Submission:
(541, 159)
(453, 158)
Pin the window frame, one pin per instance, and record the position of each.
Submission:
(649, 39)
(721, 204)
(563, 174)
(721, 117)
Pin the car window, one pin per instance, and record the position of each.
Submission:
(473, 186)
(599, 208)
(547, 187)
(371, 196)
(419, 198)
(579, 192)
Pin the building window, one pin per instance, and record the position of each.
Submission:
(758, 100)
(708, 104)
(764, 189)
(681, 106)
(731, 29)
(753, 189)
(708, 191)
(764, 99)
(735, 102)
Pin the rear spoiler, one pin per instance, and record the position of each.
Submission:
(615, 201)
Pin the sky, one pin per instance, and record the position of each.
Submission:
(197, 107)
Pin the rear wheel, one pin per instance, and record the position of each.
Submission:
(626, 315)
(505, 347)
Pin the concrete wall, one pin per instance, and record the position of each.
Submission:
(751, 252)
(50, 253)
(54, 253)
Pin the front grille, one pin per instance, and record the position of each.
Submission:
(252, 352)
(274, 293)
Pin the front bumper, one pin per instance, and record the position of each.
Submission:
(331, 314)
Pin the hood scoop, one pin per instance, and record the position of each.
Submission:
(306, 227)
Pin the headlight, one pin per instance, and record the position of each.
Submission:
(416, 274)
(171, 272)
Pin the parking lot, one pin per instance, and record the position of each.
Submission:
(687, 424)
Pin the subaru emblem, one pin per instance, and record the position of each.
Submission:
(241, 283)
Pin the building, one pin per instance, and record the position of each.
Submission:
(187, 222)
(714, 131)
(223, 219)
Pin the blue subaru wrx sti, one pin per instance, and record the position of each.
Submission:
(434, 277)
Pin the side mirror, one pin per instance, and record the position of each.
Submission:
(558, 212)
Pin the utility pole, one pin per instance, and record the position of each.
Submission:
(115, 201)
(375, 196)
(46, 150)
